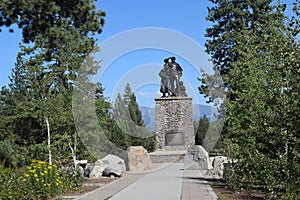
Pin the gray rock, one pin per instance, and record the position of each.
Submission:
(108, 171)
(112, 161)
(95, 171)
(137, 159)
(197, 158)
(218, 164)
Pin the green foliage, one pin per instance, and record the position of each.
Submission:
(201, 130)
(7, 156)
(11, 186)
(43, 18)
(262, 115)
(42, 178)
(213, 136)
(39, 180)
(36, 107)
(72, 180)
(128, 128)
(257, 55)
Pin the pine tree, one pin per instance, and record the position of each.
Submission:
(262, 96)
(128, 117)
(118, 134)
(57, 37)
(229, 18)
(203, 124)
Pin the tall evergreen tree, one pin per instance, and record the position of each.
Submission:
(203, 124)
(119, 136)
(262, 101)
(128, 118)
(57, 37)
(229, 18)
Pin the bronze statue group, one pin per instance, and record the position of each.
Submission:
(171, 85)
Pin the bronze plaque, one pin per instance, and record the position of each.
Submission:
(174, 138)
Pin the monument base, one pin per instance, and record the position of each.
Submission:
(174, 123)
(167, 156)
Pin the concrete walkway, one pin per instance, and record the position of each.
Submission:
(168, 181)
(194, 186)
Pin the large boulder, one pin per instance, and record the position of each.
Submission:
(94, 171)
(108, 171)
(137, 159)
(114, 164)
(197, 158)
(112, 161)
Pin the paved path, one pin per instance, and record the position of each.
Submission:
(195, 187)
(161, 184)
(166, 182)
(107, 191)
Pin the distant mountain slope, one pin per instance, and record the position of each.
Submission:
(199, 110)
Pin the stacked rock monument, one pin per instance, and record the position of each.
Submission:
(175, 139)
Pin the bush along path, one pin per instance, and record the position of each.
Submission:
(39, 180)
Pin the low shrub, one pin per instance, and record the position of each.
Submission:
(37, 181)
(42, 179)
(72, 179)
(7, 153)
(11, 186)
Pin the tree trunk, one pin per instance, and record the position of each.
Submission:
(73, 151)
(49, 141)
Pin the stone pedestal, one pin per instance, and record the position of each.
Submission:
(174, 123)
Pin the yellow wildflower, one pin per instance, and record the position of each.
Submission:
(35, 175)
(37, 179)
(49, 167)
(44, 184)
(45, 172)
(26, 175)
(41, 162)
(34, 161)
(23, 179)
(42, 173)
(32, 170)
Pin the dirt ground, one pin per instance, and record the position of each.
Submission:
(223, 193)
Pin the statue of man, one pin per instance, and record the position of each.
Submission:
(164, 75)
(170, 78)
(175, 74)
